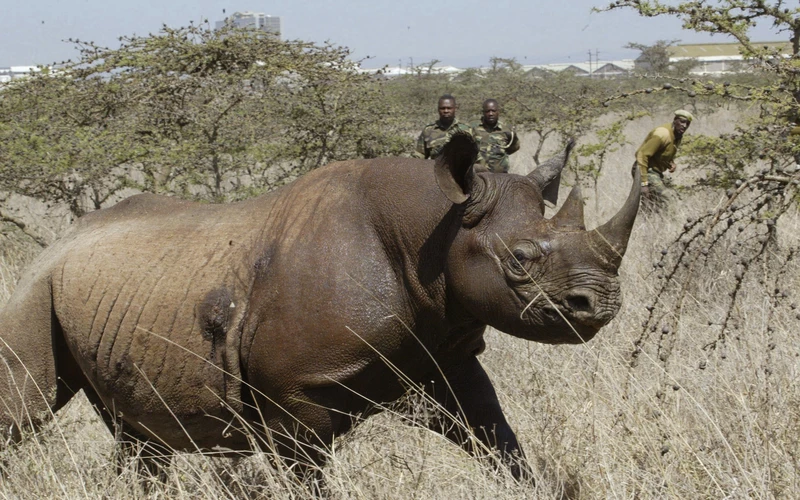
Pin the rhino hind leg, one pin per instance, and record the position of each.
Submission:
(149, 458)
(38, 375)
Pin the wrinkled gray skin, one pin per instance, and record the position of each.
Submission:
(293, 313)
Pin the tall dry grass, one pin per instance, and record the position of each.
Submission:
(679, 422)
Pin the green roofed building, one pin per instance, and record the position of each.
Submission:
(717, 58)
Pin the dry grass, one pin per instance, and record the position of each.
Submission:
(681, 423)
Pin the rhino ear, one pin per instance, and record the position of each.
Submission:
(454, 173)
(548, 175)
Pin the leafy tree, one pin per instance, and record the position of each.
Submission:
(554, 107)
(331, 119)
(425, 68)
(59, 141)
(738, 239)
(210, 114)
(503, 64)
(593, 155)
(653, 58)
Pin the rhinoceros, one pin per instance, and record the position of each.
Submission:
(294, 315)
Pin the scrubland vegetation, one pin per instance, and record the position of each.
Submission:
(692, 391)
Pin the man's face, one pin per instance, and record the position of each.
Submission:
(447, 110)
(680, 124)
(490, 113)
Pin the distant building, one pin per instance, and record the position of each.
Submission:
(595, 69)
(714, 58)
(612, 69)
(258, 20)
(15, 72)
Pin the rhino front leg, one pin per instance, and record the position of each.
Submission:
(468, 395)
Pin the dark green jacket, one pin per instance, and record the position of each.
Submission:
(434, 137)
(494, 145)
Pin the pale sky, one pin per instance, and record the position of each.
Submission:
(460, 33)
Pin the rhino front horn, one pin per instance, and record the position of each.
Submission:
(613, 236)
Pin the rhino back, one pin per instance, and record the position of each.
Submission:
(314, 282)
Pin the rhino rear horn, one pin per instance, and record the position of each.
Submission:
(613, 235)
(453, 169)
(548, 175)
(570, 215)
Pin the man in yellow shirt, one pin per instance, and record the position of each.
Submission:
(656, 154)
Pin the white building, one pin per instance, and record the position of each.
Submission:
(14, 72)
(595, 69)
(258, 20)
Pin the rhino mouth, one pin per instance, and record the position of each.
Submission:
(570, 327)
(573, 319)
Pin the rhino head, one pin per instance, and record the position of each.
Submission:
(547, 280)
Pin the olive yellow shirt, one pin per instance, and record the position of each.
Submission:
(658, 150)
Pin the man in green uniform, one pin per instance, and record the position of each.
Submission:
(656, 154)
(495, 140)
(435, 135)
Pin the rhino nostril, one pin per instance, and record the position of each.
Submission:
(579, 303)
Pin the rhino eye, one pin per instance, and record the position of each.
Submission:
(522, 255)
(527, 251)
(515, 263)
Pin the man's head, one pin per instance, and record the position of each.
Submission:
(491, 112)
(447, 109)
(681, 122)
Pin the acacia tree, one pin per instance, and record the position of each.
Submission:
(193, 111)
(592, 156)
(60, 143)
(332, 118)
(656, 59)
(556, 106)
(738, 240)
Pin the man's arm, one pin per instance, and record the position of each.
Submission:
(512, 146)
(647, 150)
(421, 151)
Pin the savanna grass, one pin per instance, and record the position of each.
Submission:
(633, 413)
